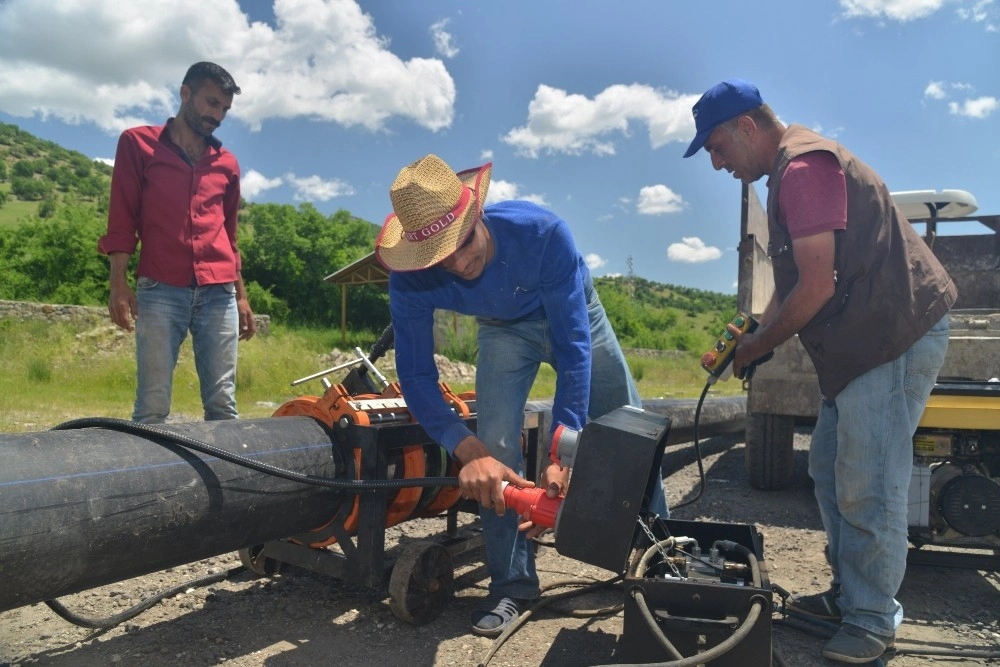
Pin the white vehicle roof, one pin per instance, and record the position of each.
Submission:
(924, 204)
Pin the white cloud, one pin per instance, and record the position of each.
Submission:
(79, 62)
(110, 161)
(560, 122)
(486, 155)
(935, 90)
(253, 183)
(503, 190)
(444, 42)
(314, 188)
(981, 107)
(894, 10)
(692, 250)
(659, 199)
(594, 261)
(983, 11)
(971, 107)
(940, 90)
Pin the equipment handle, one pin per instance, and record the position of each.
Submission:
(384, 343)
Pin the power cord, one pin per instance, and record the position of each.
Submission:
(586, 587)
(697, 446)
(793, 619)
(134, 428)
(111, 621)
(162, 436)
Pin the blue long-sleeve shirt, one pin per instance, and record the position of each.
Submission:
(536, 273)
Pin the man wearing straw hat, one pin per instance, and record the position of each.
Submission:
(514, 266)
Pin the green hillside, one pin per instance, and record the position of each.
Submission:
(53, 207)
(37, 177)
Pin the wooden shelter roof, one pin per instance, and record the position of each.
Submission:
(361, 272)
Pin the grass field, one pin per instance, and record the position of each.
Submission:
(54, 373)
(13, 211)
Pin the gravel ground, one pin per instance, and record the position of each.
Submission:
(302, 618)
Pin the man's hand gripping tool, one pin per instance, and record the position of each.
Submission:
(717, 361)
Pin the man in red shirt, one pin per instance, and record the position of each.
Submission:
(175, 192)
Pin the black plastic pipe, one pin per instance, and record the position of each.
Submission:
(86, 507)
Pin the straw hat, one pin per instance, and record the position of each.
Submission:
(434, 209)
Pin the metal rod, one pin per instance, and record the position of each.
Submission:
(371, 367)
(331, 370)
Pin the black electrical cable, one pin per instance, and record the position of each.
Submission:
(134, 428)
(135, 610)
(697, 451)
(806, 623)
(543, 602)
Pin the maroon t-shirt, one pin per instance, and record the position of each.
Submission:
(813, 195)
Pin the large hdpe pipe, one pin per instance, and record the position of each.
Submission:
(86, 507)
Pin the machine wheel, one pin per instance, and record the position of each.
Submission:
(422, 580)
(261, 566)
(769, 450)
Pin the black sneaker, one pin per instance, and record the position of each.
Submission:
(856, 645)
(820, 605)
(496, 615)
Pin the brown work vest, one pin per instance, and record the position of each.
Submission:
(890, 288)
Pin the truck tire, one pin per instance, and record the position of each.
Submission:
(769, 450)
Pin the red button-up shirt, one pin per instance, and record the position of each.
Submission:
(184, 215)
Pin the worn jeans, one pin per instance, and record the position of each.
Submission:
(860, 459)
(510, 354)
(166, 314)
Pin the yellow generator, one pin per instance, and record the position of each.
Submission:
(954, 497)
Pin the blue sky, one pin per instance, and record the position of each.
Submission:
(581, 105)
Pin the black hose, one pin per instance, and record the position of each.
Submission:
(757, 604)
(135, 610)
(134, 428)
(697, 451)
(384, 343)
(752, 560)
(816, 627)
(543, 602)
(647, 616)
(986, 653)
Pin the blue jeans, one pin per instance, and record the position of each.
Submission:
(166, 314)
(860, 459)
(510, 354)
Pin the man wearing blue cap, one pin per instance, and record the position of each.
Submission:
(869, 302)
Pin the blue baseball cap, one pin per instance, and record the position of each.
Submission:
(720, 103)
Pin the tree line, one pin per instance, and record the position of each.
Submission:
(286, 254)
